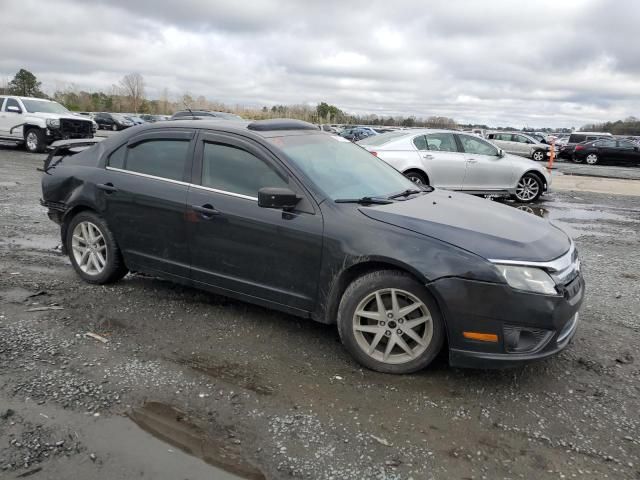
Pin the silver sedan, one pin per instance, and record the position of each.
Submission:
(459, 161)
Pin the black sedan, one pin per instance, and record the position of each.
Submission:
(112, 121)
(281, 214)
(607, 150)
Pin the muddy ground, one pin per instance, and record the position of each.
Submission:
(260, 394)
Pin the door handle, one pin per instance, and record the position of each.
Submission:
(428, 156)
(107, 187)
(472, 160)
(206, 210)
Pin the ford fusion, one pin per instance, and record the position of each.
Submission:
(281, 214)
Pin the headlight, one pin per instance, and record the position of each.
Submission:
(53, 123)
(530, 279)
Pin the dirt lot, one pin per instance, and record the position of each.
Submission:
(264, 395)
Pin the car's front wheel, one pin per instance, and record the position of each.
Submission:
(93, 251)
(539, 155)
(529, 188)
(114, 127)
(416, 177)
(592, 159)
(390, 323)
(35, 140)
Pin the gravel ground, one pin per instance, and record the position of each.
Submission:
(260, 394)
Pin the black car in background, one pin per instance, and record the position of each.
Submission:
(112, 121)
(609, 150)
(566, 151)
(278, 213)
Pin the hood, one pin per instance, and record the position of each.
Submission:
(480, 226)
(47, 116)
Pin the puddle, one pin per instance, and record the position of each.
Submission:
(175, 428)
(228, 372)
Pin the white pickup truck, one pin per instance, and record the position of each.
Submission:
(36, 122)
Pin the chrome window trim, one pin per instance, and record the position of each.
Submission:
(561, 263)
(186, 184)
(146, 175)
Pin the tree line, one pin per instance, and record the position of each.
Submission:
(628, 126)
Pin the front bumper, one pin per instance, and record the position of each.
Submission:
(472, 306)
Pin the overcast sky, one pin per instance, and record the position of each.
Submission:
(525, 63)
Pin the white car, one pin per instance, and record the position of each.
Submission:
(459, 161)
(520, 144)
(36, 122)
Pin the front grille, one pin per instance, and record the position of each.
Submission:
(75, 128)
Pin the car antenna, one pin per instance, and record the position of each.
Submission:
(188, 108)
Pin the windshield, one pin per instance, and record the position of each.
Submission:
(381, 139)
(340, 168)
(34, 106)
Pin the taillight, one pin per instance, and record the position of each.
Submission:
(373, 153)
(578, 147)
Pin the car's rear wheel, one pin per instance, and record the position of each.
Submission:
(417, 177)
(93, 251)
(114, 127)
(592, 159)
(529, 188)
(578, 159)
(35, 140)
(539, 155)
(390, 323)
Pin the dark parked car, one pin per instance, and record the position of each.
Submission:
(280, 214)
(607, 150)
(112, 121)
(566, 150)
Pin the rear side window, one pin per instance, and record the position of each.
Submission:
(237, 171)
(504, 137)
(576, 138)
(444, 142)
(116, 159)
(160, 158)
(420, 142)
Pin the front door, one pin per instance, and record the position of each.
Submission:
(627, 152)
(486, 169)
(145, 195)
(240, 248)
(10, 119)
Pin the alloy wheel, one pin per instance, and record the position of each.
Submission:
(592, 159)
(89, 248)
(527, 189)
(32, 141)
(392, 326)
(538, 156)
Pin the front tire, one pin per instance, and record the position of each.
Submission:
(35, 140)
(390, 323)
(416, 177)
(529, 188)
(93, 251)
(539, 155)
(114, 127)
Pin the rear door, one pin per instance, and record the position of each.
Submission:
(237, 246)
(442, 160)
(522, 145)
(145, 196)
(486, 169)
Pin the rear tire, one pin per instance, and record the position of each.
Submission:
(114, 127)
(417, 177)
(35, 140)
(388, 338)
(93, 251)
(539, 155)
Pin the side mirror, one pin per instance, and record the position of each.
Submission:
(274, 197)
(500, 152)
(14, 109)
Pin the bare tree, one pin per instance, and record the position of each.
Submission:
(133, 86)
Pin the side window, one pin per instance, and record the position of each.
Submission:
(160, 158)
(1, 102)
(505, 137)
(116, 159)
(444, 142)
(476, 146)
(420, 142)
(622, 144)
(237, 171)
(577, 138)
(12, 102)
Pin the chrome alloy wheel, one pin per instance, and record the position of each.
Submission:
(392, 326)
(32, 141)
(89, 248)
(527, 189)
(592, 159)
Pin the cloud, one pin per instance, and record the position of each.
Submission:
(535, 63)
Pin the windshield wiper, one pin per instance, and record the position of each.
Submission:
(365, 201)
(406, 193)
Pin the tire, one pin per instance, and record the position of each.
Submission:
(529, 188)
(591, 159)
(577, 159)
(114, 127)
(416, 177)
(105, 252)
(539, 155)
(428, 327)
(35, 140)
